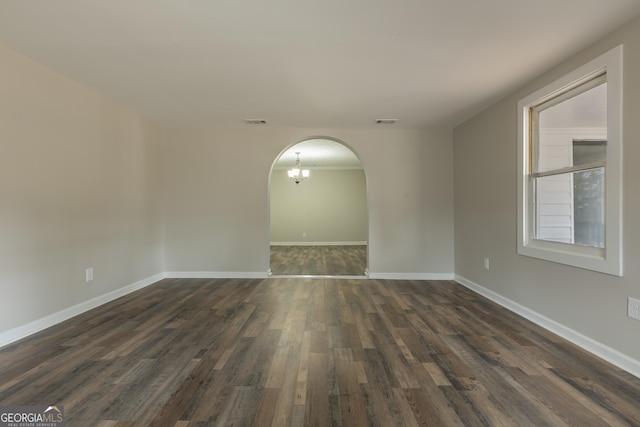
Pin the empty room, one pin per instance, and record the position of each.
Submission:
(322, 213)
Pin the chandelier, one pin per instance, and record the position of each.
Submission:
(298, 174)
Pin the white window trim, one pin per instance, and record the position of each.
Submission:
(609, 259)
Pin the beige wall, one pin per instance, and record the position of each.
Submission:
(589, 303)
(80, 186)
(329, 207)
(217, 207)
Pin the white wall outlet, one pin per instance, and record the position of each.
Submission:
(88, 274)
(304, 234)
(486, 263)
(633, 308)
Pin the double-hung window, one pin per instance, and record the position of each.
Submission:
(570, 168)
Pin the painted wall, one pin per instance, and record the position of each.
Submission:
(329, 207)
(217, 215)
(592, 304)
(80, 186)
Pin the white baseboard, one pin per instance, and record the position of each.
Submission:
(217, 274)
(357, 243)
(267, 274)
(411, 276)
(603, 351)
(55, 318)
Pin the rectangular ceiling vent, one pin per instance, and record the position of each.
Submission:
(386, 121)
(255, 121)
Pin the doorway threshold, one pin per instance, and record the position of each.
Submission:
(315, 276)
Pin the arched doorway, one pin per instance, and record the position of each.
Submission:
(318, 225)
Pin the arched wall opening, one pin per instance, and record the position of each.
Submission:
(320, 225)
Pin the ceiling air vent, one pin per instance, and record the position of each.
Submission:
(386, 121)
(255, 121)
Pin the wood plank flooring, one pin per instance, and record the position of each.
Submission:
(317, 352)
(334, 260)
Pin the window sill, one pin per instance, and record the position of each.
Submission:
(588, 258)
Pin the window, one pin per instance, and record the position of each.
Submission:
(588, 192)
(569, 168)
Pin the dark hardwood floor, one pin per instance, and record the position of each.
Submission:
(302, 351)
(319, 260)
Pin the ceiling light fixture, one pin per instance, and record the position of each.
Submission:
(298, 174)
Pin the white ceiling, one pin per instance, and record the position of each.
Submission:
(310, 63)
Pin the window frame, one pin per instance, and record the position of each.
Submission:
(605, 260)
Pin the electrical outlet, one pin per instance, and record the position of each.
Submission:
(304, 234)
(486, 263)
(88, 274)
(633, 308)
